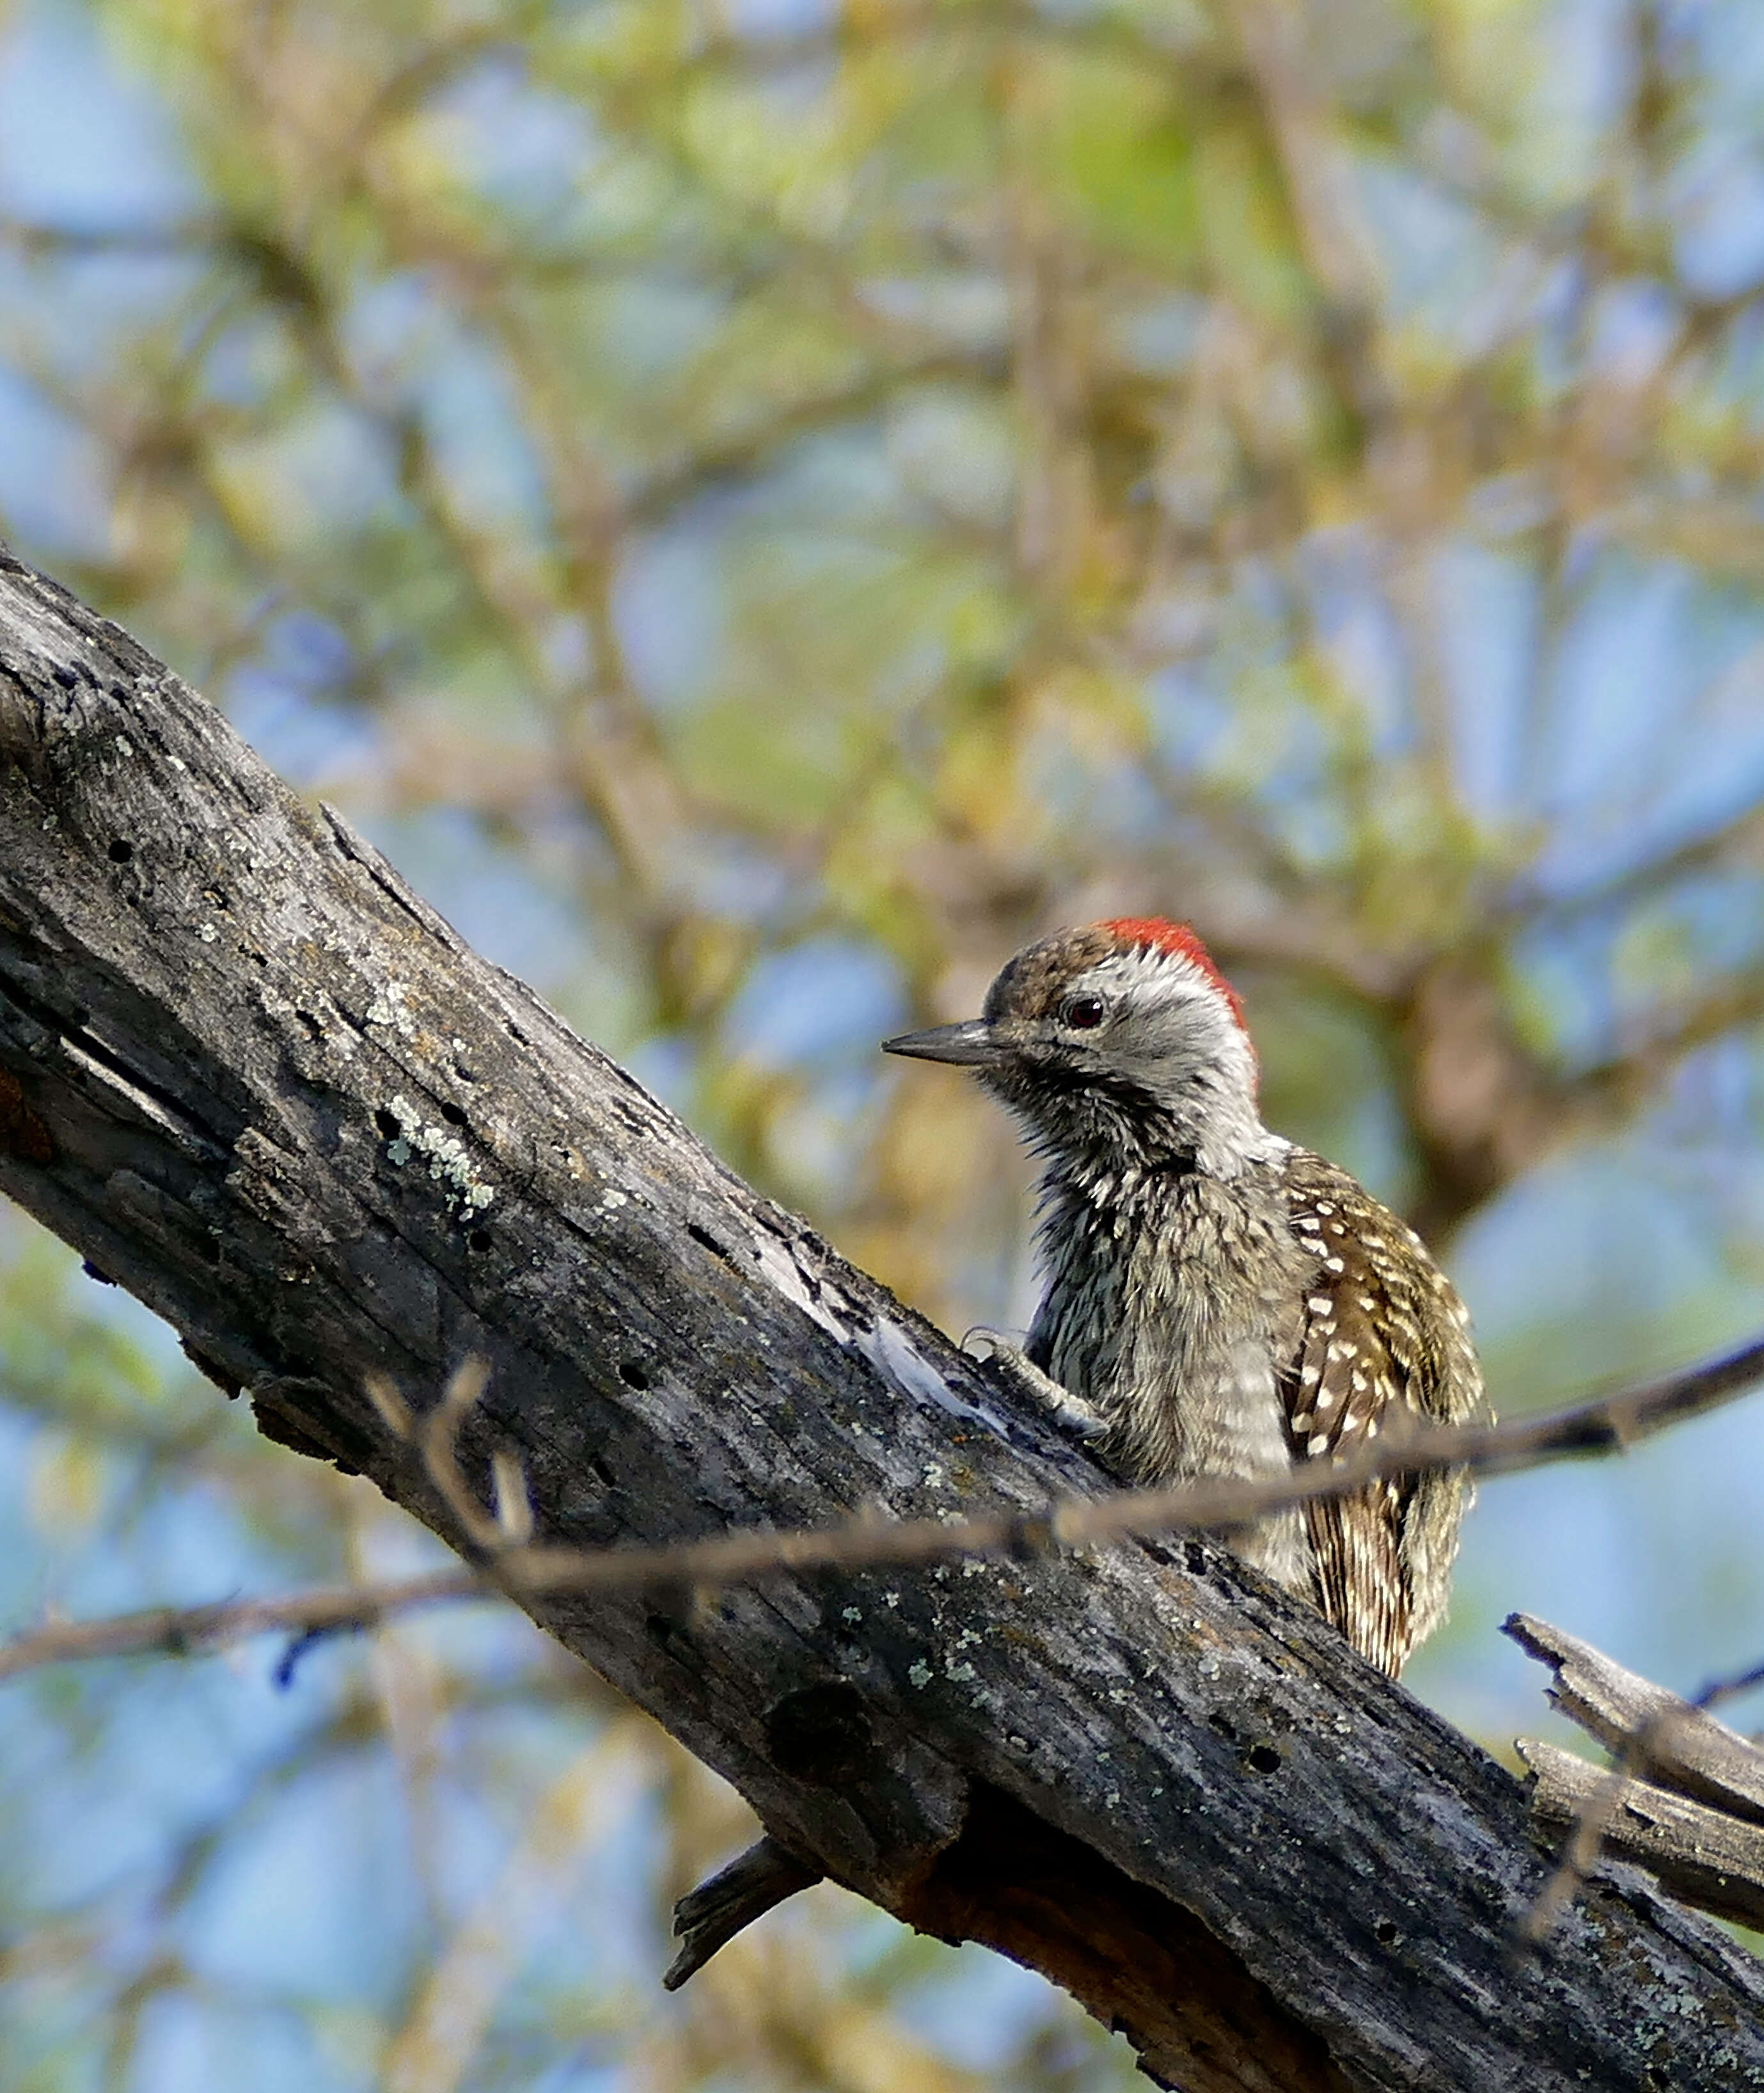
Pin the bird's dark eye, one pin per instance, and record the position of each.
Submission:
(1081, 1013)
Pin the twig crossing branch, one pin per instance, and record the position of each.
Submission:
(1601, 1425)
(1685, 1795)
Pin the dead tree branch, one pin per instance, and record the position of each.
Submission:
(1685, 1797)
(257, 1082)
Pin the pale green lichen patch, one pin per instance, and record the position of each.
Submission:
(389, 1009)
(449, 1164)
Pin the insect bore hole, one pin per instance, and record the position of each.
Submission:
(706, 1240)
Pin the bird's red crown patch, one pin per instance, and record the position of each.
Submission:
(1159, 933)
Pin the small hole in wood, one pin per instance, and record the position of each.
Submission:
(633, 1374)
(1263, 1758)
(1385, 1934)
(454, 1116)
(478, 1241)
(208, 1249)
(387, 1123)
(121, 851)
(68, 678)
(707, 1241)
(820, 1734)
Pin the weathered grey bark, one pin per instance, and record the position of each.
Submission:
(259, 1084)
(1685, 1798)
(1681, 1746)
(1713, 1862)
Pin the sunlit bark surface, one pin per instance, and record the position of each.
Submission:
(254, 1080)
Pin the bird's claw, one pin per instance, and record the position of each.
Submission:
(1011, 1368)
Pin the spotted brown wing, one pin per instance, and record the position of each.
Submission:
(1383, 1339)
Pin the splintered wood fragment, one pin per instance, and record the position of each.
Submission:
(709, 1918)
(1696, 1854)
(1677, 1745)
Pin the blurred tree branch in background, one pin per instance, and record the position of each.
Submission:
(758, 506)
(1035, 379)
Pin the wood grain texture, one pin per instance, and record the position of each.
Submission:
(265, 1088)
(1713, 1862)
(1677, 1745)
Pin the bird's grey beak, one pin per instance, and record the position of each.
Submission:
(973, 1044)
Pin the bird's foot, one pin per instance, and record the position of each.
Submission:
(1013, 1370)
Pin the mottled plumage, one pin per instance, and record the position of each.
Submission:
(1219, 1300)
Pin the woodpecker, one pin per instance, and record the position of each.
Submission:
(1218, 1301)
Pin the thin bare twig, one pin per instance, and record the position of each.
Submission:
(1604, 1424)
(1730, 1688)
(438, 1440)
(184, 1630)
(1595, 1812)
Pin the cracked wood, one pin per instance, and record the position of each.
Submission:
(257, 1081)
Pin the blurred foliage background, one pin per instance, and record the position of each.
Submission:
(759, 506)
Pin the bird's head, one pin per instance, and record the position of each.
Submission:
(1118, 1045)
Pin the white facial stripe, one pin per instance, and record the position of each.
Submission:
(1146, 978)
